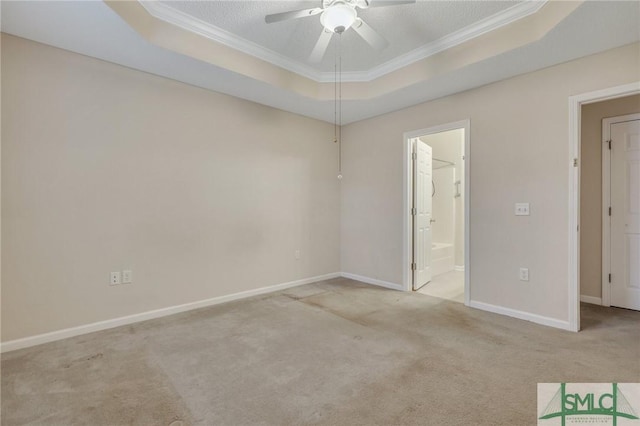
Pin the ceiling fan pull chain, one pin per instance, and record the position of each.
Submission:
(340, 105)
(335, 92)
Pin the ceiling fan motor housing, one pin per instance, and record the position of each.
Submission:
(338, 16)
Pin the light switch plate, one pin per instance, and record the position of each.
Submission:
(522, 209)
(127, 277)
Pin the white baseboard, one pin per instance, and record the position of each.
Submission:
(385, 284)
(458, 268)
(538, 319)
(39, 339)
(591, 299)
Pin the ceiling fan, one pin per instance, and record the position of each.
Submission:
(336, 17)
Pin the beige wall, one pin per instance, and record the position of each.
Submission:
(105, 168)
(519, 153)
(591, 188)
(200, 194)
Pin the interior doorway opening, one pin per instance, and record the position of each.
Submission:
(609, 199)
(436, 224)
(584, 230)
(609, 194)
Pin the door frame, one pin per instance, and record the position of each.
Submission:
(407, 198)
(606, 201)
(575, 116)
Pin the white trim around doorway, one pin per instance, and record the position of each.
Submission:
(575, 115)
(407, 189)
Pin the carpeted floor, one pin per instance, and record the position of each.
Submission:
(334, 353)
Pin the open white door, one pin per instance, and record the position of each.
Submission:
(625, 214)
(422, 169)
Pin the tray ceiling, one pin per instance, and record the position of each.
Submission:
(407, 27)
(126, 33)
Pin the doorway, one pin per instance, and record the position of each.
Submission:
(436, 249)
(579, 280)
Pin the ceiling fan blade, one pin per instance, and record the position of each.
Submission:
(321, 46)
(369, 35)
(294, 14)
(364, 4)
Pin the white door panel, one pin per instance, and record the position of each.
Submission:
(422, 174)
(625, 214)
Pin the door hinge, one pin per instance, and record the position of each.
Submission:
(609, 143)
(575, 162)
(414, 156)
(609, 211)
(413, 266)
(609, 277)
(414, 211)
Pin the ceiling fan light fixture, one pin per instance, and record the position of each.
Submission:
(338, 18)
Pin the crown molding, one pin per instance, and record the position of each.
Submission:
(187, 22)
(493, 22)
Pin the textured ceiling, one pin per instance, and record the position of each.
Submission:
(406, 27)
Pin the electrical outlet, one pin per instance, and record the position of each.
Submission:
(297, 254)
(127, 277)
(114, 278)
(522, 209)
(524, 274)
